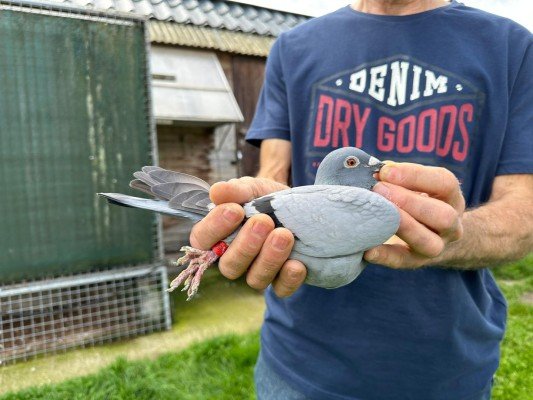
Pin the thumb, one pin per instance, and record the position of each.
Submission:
(243, 190)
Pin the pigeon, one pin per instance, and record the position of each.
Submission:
(333, 221)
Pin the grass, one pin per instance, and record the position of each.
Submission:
(194, 321)
(222, 368)
(514, 379)
(518, 271)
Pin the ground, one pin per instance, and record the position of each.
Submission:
(221, 368)
(197, 320)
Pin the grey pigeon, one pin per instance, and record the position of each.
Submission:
(333, 221)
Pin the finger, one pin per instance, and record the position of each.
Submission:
(437, 215)
(273, 255)
(217, 225)
(420, 239)
(436, 181)
(243, 190)
(246, 246)
(395, 256)
(291, 276)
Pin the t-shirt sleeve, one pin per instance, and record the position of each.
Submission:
(271, 120)
(517, 151)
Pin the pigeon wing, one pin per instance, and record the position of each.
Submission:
(170, 189)
(184, 192)
(165, 176)
(188, 201)
(330, 221)
(140, 185)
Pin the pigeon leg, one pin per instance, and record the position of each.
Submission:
(199, 261)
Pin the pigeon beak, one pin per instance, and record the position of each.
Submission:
(375, 164)
(378, 166)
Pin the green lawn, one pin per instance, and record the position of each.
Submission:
(514, 379)
(222, 368)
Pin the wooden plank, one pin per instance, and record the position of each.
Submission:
(248, 75)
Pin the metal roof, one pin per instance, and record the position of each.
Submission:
(226, 15)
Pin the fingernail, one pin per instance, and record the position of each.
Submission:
(280, 242)
(260, 229)
(382, 189)
(231, 215)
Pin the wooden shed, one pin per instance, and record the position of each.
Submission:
(207, 64)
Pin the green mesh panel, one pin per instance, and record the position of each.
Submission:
(73, 122)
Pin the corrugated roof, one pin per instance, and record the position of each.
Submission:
(210, 38)
(229, 16)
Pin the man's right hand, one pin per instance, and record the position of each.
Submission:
(260, 250)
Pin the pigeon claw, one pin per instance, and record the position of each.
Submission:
(199, 261)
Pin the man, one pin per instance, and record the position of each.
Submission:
(445, 91)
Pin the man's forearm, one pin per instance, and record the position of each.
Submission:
(275, 160)
(495, 233)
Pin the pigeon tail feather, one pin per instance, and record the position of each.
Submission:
(159, 206)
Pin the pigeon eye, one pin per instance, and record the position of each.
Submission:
(351, 162)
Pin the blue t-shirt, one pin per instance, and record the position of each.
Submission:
(448, 87)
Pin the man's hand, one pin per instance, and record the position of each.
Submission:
(260, 250)
(431, 206)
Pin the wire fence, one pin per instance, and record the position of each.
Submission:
(85, 310)
(75, 119)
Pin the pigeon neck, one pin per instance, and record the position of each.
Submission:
(320, 180)
(366, 182)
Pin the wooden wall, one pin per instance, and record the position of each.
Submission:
(205, 152)
(209, 153)
(248, 75)
(245, 74)
(185, 149)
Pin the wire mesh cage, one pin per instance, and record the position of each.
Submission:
(54, 315)
(75, 119)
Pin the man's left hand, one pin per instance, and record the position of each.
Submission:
(431, 206)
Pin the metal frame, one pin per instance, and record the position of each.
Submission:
(37, 317)
(85, 310)
(74, 280)
(153, 133)
(51, 8)
(115, 17)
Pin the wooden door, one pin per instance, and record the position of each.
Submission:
(248, 75)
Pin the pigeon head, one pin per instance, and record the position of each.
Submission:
(348, 166)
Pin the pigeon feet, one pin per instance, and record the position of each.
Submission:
(199, 261)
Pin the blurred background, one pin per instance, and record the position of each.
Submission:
(517, 10)
(90, 91)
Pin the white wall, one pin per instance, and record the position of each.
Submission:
(519, 10)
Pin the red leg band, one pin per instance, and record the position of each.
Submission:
(219, 248)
